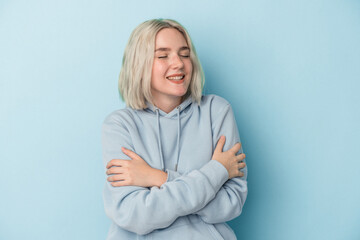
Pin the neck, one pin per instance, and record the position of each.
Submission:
(167, 104)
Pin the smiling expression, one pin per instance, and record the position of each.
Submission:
(172, 67)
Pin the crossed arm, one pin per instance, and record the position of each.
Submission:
(138, 173)
(216, 192)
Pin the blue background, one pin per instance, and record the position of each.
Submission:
(290, 69)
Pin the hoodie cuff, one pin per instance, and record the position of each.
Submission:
(171, 175)
(216, 173)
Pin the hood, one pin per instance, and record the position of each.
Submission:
(183, 108)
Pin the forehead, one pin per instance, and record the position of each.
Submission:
(170, 38)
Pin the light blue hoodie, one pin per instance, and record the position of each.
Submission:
(197, 198)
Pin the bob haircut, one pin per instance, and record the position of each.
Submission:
(135, 74)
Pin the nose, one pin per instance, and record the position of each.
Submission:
(177, 62)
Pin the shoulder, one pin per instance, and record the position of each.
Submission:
(216, 105)
(214, 101)
(120, 117)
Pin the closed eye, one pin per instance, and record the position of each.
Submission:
(165, 56)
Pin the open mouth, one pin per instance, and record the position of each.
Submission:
(176, 78)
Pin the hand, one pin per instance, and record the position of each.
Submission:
(229, 159)
(134, 172)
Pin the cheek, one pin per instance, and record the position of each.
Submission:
(158, 69)
(188, 64)
(189, 67)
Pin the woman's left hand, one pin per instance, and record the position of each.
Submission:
(134, 172)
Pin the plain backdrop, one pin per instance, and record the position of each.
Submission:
(290, 69)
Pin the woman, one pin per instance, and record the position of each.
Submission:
(184, 180)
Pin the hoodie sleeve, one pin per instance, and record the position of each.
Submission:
(231, 197)
(142, 210)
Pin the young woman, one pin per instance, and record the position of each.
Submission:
(186, 176)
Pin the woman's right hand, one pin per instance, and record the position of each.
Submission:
(229, 159)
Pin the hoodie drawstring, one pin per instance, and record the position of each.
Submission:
(178, 139)
(159, 141)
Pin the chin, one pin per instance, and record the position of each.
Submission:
(181, 94)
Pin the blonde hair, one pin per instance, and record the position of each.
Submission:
(135, 74)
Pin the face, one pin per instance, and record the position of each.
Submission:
(172, 67)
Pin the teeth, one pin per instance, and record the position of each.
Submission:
(175, 78)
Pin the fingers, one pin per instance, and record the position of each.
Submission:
(119, 180)
(116, 177)
(122, 162)
(115, 170)
(241, 165)
(236, 148)
(119, 183)
(117, 162)
(130, 153)
(240, 157)
(220, 145)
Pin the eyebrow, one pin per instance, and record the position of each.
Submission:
(168, 49)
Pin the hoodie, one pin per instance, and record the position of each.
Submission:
(197, 198)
